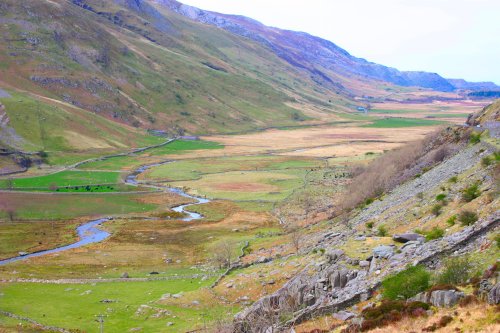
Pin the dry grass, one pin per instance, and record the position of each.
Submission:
(397, 166)
(289, 141)
(473, 318)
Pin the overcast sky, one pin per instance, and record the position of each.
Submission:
(455, 38)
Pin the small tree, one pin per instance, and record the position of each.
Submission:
(9, 184)
(455, 271)
(223, 255)
(467, 217)
(11, 214)
(470, 193)
(296, 239)
(382, 231)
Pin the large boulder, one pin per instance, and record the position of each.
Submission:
(408, 237)
(383, 251)
(339, 278)
(446, 298)
(334, 255)
(439, 298)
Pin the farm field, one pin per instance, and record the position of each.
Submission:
(125, 305)
(63, 179)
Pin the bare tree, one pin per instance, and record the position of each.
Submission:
(9, 184)
(11, 214)
(223, 254)
(296, 238)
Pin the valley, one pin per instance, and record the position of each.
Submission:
(165, 168)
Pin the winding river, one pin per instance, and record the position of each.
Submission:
(90, 233)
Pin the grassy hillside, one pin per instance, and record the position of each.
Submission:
(151, 69)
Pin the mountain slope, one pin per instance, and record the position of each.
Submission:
(157, 64)
(129, 62)
(320, 57)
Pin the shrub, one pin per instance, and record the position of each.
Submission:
(475, 138)
(368, 201)
(369, 225)
(467, 217)
(436, 209)
(452, 220)
(382, 231)
(470, 193)
(453, 179)
(406, 284)
(496, 156)
(497, 240)
(455, 271)
(441, 197)
(435, 233)
(486, 161)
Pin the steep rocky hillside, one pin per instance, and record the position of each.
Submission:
(444, 209)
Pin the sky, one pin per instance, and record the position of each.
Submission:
(455, 38)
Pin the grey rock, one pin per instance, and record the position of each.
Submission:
(440, 298)
(383, 251)
(494, 294)
(333, 255)
(407, 237)
(124, 275)
(445, 298)
(364, 263)
(343, 315)
(373, 265)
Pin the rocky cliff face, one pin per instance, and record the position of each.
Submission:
(304, 51)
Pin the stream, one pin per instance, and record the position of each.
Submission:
(90, 233)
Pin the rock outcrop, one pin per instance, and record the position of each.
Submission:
(440, 298)
(326, 288)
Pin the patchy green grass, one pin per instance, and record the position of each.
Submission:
(387, 111)
(402, 122)
(247, 185)
(34, 236)
(448, 115)
(194, 169)
(75, 306)
(181, 146)
(64, 179)
(114, 163)
(32, 206)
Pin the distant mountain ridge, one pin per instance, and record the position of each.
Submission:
(313, 53)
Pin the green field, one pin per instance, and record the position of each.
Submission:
(64, 179)
(181, 146)
(194, 169)
(112, 164)
(448, 115)
(402, 122)
(386, 111)
(75, 306)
